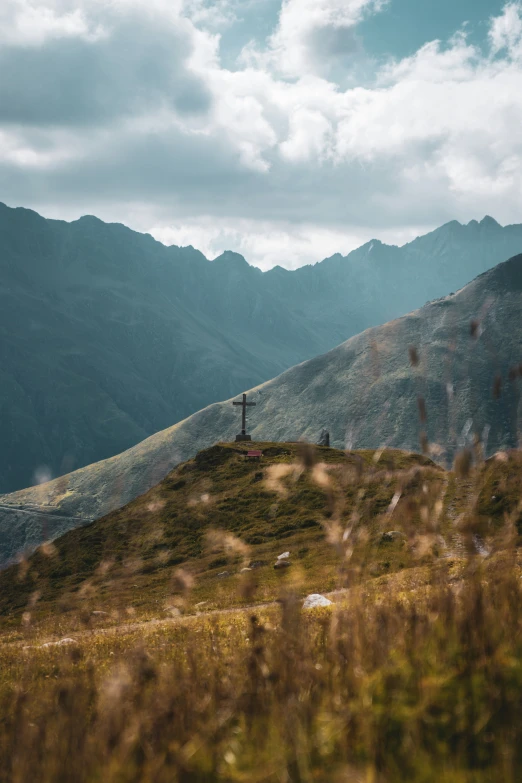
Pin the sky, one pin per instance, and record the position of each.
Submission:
(285, 130)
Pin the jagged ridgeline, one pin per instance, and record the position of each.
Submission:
(107, 336)
(434, 379)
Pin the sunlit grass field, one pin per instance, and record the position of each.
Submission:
(395, 682)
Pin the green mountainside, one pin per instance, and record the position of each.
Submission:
(107, 336)
(278, 503)
(456, 363)
(226, 519)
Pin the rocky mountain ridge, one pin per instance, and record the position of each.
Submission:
(433, 379)
(107, 336)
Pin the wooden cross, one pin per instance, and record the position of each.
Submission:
(244, 405)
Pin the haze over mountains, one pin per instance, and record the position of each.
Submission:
(365, 391)
(107, 336)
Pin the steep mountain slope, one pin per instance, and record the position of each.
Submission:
(465, 380)
(107, 336)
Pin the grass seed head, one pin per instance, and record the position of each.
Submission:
(463, 463)
(414, 356)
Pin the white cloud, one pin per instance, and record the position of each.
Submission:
(132, 105)
(309, 135)
(98, 61)
(29, 155)
(31, 23)
(506, 30)
(310, 32)
(269, 243)
(214, 14)
(264, 244)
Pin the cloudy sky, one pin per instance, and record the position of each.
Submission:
(286, 130)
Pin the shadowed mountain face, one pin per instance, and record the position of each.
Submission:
(107, 336)
(464, 380)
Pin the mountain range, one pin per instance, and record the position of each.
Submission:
(107, 336)
(431, 380)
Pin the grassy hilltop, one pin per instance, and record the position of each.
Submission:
(280, 503)
(222, 512)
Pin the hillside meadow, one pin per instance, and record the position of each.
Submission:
(419, 684)
(221, 513)
(208, 672)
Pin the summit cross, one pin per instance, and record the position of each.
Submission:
(244, 404)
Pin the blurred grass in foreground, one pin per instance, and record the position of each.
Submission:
(414, 675)
(421, 685)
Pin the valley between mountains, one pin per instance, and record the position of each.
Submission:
(164, 612)
(462, 381)
(107, 336)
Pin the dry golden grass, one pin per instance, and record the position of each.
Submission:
(413, 674)
(415, 678)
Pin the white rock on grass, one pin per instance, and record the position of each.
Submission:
(392, 535)
(284, 556)
(314, 600)
(61, 643)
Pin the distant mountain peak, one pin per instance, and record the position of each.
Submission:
(489, 222)
(90, 219)
(278, 269)
(451, 225)
(372, 244)
(230, 258)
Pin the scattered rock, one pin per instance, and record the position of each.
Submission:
(257, 564)
(391, 535)
(61, 643)
(99, 613)
(284, 556)
(481, 547)
(282, 564)
(314, 600)
(223, 574)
